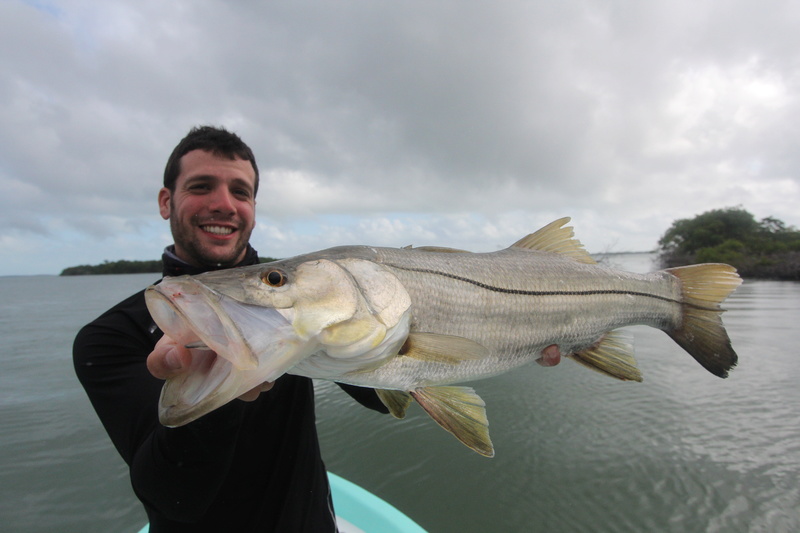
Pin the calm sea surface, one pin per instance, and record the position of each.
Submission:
(575, 451)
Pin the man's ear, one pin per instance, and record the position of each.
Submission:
(164, 197)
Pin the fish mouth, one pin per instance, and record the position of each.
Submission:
(235, 346)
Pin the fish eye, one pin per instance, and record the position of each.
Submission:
(274, 278)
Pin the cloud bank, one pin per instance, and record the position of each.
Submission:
(465, 124)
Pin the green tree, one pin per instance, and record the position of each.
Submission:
(687, 236)
(762, 249)
(114, 267)
(731, 252)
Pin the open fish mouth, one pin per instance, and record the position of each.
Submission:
(235, 346)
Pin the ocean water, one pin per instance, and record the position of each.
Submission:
(683, 451)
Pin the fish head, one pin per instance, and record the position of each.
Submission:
(235, 346)
(249, 325)
(338, 302)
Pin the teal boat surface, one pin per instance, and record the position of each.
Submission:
(360, 511)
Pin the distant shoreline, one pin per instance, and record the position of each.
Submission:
(115, 267)
(124, 266)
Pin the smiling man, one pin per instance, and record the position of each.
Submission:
(209, 197)
(211, 207)
(251, 465)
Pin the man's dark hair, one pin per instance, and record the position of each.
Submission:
(217, 141)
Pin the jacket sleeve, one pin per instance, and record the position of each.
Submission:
(177, 471)
(365, 396)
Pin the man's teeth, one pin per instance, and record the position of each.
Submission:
(219, 230)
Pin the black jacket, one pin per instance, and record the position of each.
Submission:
(247, 466)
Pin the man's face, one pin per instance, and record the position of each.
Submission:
(212, 210)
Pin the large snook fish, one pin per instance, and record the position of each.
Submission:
(412, 322)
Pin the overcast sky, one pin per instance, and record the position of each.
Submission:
(464, 124)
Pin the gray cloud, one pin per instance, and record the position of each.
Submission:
(370, 119)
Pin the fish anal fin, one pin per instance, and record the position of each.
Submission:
(556, 238)
(613, 356)
(460, 411)
(448, 349)
(396, 401)
(701, 332)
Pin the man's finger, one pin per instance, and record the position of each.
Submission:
(168, 359)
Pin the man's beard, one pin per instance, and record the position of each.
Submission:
(197, 253)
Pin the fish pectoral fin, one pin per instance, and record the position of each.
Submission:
(397, 401)
(436, 348)
(613, 356)
(460, 411)
(557, 239)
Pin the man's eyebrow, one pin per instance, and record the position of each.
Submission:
(200, 177)
(241, 182)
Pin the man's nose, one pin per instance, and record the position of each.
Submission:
(222, 201)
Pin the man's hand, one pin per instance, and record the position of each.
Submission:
(170, 359)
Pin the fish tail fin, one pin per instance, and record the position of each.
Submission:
(701, 332)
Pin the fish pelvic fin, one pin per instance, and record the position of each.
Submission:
(436, 348)
(701, 332)
(556, 238)
(396, 401)
(460, 411)
(612, 356)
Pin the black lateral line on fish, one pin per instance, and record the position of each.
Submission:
(546, 293)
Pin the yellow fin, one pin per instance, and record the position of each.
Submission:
(396, 401)
(557, 239)
(701, 332)
(707, 284)
(353, 330)
(612, 356)
(461, 412)
(435, 348)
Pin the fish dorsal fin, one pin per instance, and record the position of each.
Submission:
(556, 238)
(396, 401)
(436, 348)
(612, 356)
(461, 412)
